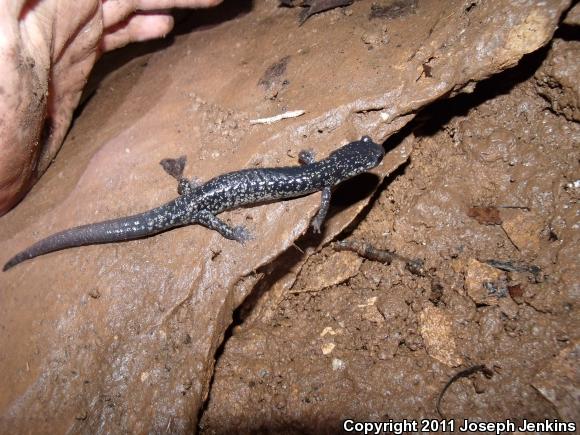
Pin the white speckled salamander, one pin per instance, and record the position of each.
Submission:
(200, 203)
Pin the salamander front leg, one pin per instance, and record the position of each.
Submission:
(322, 211)
(211, 221)
(306, 157)
(175, 167)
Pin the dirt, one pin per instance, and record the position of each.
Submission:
(472, 219)
(377, 346)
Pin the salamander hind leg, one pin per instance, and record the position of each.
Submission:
(239, 233)
(242, 234)
(322, 211)
(175, 167)
(186, 186)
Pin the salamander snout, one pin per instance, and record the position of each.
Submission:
(372, 151)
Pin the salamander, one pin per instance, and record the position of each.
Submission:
(199, 203)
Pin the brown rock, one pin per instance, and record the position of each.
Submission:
(485, 215)
(436, 328)
(573, 16)
(78, 367)
(524, 230)
(336, 269)
(557, 79)
(559, 382)
(485, 284)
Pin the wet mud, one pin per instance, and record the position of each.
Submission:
(459, 253)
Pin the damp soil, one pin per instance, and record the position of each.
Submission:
(462, 266)
(487, 206)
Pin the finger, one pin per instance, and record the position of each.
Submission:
(116, 11)
(167, 4)
(139, 27)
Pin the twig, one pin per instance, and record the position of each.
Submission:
(368, 251)
(462, 374)
(276, 118)
(365, 250)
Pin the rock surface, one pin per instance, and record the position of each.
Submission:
(122, 337)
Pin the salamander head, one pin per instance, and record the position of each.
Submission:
(373, 153)
(357, 157)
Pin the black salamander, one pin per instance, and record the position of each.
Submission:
(200, 203)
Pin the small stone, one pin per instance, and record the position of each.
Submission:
(392, 306)
(524, 230)
(339, 267)
(327, 330)
(516, 291)
(485, 284)
(508, 307)
(372, 314)
(327, 348)
(436, 328)
(338, 364)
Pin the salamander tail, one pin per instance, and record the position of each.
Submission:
(115, 230)
(18, 258)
